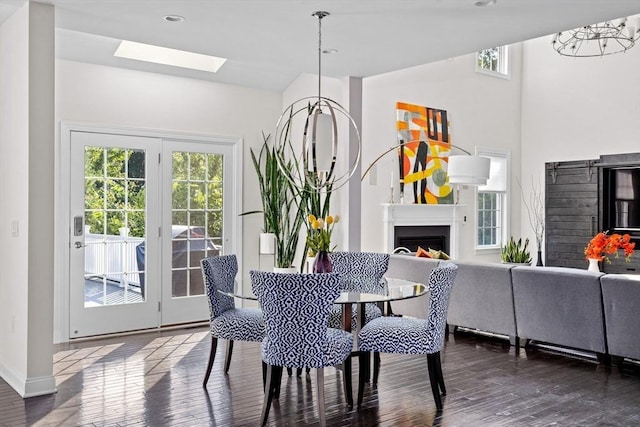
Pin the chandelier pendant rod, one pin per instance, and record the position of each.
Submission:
(320, 15)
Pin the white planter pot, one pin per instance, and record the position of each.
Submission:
(267, 243)
(309, 264)
(287, 270)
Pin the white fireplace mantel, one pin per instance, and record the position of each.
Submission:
(396, 214)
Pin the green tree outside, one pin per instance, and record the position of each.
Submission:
(115, 191)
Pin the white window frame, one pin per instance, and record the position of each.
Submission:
(502, 202)
(503, 69)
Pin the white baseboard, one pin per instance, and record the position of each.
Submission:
(28, 387)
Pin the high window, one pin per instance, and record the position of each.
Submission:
(492, 204)
(494, 61)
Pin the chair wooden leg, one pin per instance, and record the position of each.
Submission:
(320, 387)
(299, 371)
(363, 360)
(227, 358)
(367, 367)
(433, 379)
(212, 356)
(348, 386)
(268, 395)
(443, 390)
(264, 376)
(278, 384)
(376, 367)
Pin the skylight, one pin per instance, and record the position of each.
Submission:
(167, 56)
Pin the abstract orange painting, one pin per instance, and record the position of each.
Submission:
(425, 143)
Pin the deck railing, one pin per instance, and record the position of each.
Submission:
(112, 257)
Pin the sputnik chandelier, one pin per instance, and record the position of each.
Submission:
(308, 134)
(601, 39)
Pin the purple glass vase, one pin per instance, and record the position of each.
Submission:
(323, 263)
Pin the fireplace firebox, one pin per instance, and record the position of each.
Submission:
(435, 237)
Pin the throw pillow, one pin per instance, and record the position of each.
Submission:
(422, 253)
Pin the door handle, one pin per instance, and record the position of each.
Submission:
(78, 245)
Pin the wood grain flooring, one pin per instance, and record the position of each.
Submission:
(154, 379)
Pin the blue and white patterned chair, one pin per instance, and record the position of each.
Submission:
(226, 321)
(359, 272)
(414, 336)
(296, 310)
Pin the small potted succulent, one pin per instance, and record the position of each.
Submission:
(515, 252)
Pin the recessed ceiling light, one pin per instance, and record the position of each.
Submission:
(483, 3)
(167, 56)
(174, 18)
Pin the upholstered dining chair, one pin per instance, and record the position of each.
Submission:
(296, 310)
(226, 321)
(359, 272)
(413, 336)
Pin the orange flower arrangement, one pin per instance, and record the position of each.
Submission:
(603, 244)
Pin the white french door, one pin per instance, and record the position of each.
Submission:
(198, 212)
(113, 183)
(143, 212)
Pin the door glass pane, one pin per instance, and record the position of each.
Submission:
(115, 203)
(196, 230)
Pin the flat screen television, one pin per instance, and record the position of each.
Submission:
(622, 200)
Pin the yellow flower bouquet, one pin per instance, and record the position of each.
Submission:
(319, 234)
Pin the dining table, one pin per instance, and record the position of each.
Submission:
(391, 289)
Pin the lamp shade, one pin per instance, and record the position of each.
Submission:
(468, 170)
(322, 131)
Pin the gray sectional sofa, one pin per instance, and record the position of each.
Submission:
(482, 299)
(621, 298)
(566, 307)
(559, 305)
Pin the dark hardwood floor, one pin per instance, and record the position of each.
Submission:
(154, 379)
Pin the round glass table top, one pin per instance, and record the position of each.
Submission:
(391, 289)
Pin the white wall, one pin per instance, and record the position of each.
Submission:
(26, 197)
(576, 108)
(120, 97)
(483, 111)
(14, 149)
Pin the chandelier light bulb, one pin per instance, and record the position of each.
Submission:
(631, 31)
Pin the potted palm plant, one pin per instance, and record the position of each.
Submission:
(282, 203)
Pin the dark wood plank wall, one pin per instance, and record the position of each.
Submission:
(574, 211)
(571, 211)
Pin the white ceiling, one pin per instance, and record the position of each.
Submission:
(269, 43)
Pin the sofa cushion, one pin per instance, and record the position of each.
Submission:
(482, 298)
(621, 299)
(559, 305)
